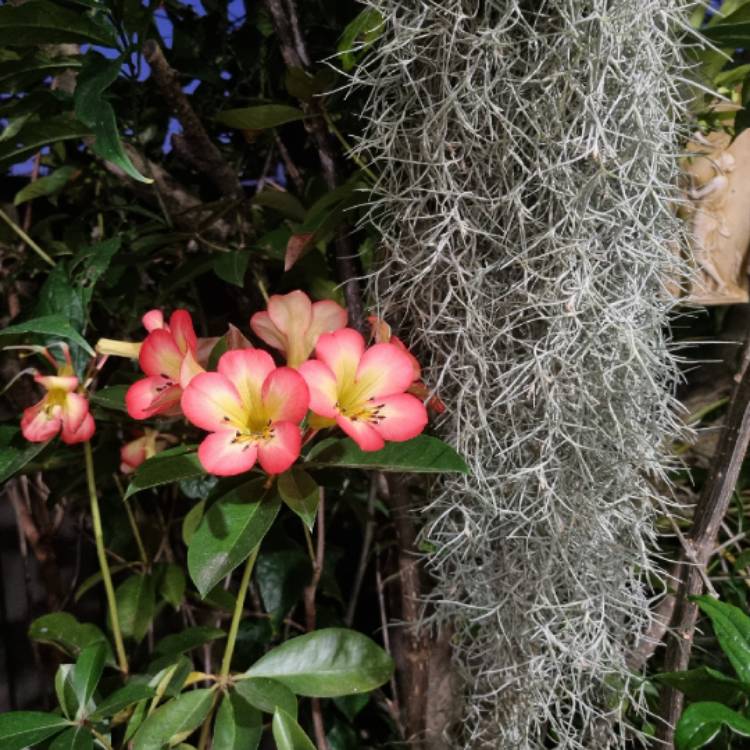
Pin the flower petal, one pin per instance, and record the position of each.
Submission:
(383, 370)
(82, 434)
(285, 395)
(327, 317)
(181, 328)
(341, 351)
(219, 454)
(150, 396)
(66, 383)
(37, 425)
(153, 320)
(291, 312)
(264, 328)
(282, 450)
(361, 433)
(247, 370)
(75, 409)
(212, 403)
(133, 454)
(323, 390)
(189, 369)
(160, 355)
(403, 417)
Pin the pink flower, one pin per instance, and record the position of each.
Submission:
(61, 409)
(292, 324)
(364, 391)
(169, 357)
(134, 453)
(252, 410)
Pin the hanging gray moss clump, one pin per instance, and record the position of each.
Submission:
(528, 158)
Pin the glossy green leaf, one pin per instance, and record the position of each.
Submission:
(174, 721)
(136, 603)
(301, 493)
(31, 68)
(164, 468)
(259, 117)
(421, 455)
(233, 526)
(87, 673)
(359, 35)
(238, 725)
(282, 575)
(34, 135)
(288, 734)
(112, 397)
(351, 705)
(701, 722)
(132, 693)
(42, 22)
(51, 326)
(61, 629)
(191, 521)
(66, 695)
(704, 683)
(93, 109)
(13, 459)
(732, 628)
(188, 639)
(44, 186)
(282, 202)
(266, 695)
(76, 738)
(326, 663)
(232, 267)
(90, 263)
(172, 584)
(21, 729)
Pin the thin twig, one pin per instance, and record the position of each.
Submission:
(25, 237)
(364, 553)
(707, 518)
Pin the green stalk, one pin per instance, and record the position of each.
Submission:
(96, 518)
(237, 614)
(25, 237)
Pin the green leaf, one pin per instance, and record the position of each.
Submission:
(231, 267)
(76, 738)
(61, 629)
(17, 75)
(703, 684)
(174, 721)
(191, 521)
(732, 628)
(92, 109)
(282, 575)
(52, 326)
(66, 695)
(34, 135)
(21, 729)
(259, 117)
(41, 22)
(172, 585)
(359, 35)
(351, 705)
(90, 263)
(701, 722)
(164, 468)
(282, 202)
(326, 663)
(238, 725)
(13, 459)
(126, 696)
(136, 604)
(96, 578)
(87, 673)
(288, 734)
(44, 186)
(233, 526)
(112, 397)
(266, 695)
(420, 455)
(301, 493)
(188, 639)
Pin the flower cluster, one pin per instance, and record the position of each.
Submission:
(254, 410)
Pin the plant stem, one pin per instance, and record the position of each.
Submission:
(237, 615)
(133, 524)
(25, 237)
(122, 659)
